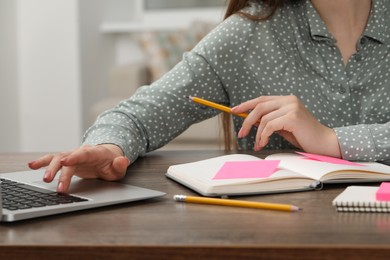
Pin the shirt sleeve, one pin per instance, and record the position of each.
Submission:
(364, 142)
(159, 112)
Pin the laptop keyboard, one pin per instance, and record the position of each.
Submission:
(16, 195)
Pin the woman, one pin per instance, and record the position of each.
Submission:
(315, 73)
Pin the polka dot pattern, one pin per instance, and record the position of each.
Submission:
(290, 54)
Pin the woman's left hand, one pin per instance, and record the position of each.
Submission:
(287, 116)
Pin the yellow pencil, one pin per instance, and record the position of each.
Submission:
(216, 106)
(236, 203)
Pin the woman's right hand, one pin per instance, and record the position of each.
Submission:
(104, 161)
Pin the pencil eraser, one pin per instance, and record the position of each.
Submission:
(383, 193)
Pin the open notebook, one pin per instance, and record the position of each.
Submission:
(232, 174)
(24, 195)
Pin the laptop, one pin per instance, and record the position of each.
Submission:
(24, 195)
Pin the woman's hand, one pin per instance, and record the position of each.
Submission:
(287, 116)
(102, 161)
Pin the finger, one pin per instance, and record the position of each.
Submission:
(117, 169)
(53, 167)
(41, 162)
(120, 164)
(266, 119)
(250, 104)
(257, 114)
(65, 179)
(272, 126)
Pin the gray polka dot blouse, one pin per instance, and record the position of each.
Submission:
(291, 54)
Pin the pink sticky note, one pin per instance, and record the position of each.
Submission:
(247, 169)
(383, 193)
(328, 159)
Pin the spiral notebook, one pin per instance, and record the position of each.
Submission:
(360, 199)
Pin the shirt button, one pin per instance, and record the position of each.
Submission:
(363, 41)
(358, 57)
(342, 90)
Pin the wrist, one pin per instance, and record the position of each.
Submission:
(332, 147)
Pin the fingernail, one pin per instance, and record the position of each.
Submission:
(60, 187)
(234, 108)
(239, 135)
(47, 175)
(257, 146)
(31, 163)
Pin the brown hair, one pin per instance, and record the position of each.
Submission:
(233, 7)
(236, 6)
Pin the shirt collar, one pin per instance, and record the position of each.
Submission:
(317, 27)
(377, 26)
(378, 21)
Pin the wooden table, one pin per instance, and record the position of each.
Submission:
(164, 229)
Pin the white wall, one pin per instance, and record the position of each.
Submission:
(55, 64)
(9, 109)
(49, 79)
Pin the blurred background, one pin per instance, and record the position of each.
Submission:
(63, 62)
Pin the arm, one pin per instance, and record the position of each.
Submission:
(149, 119)
(158, 113)
(154, 115)
(365, 142)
